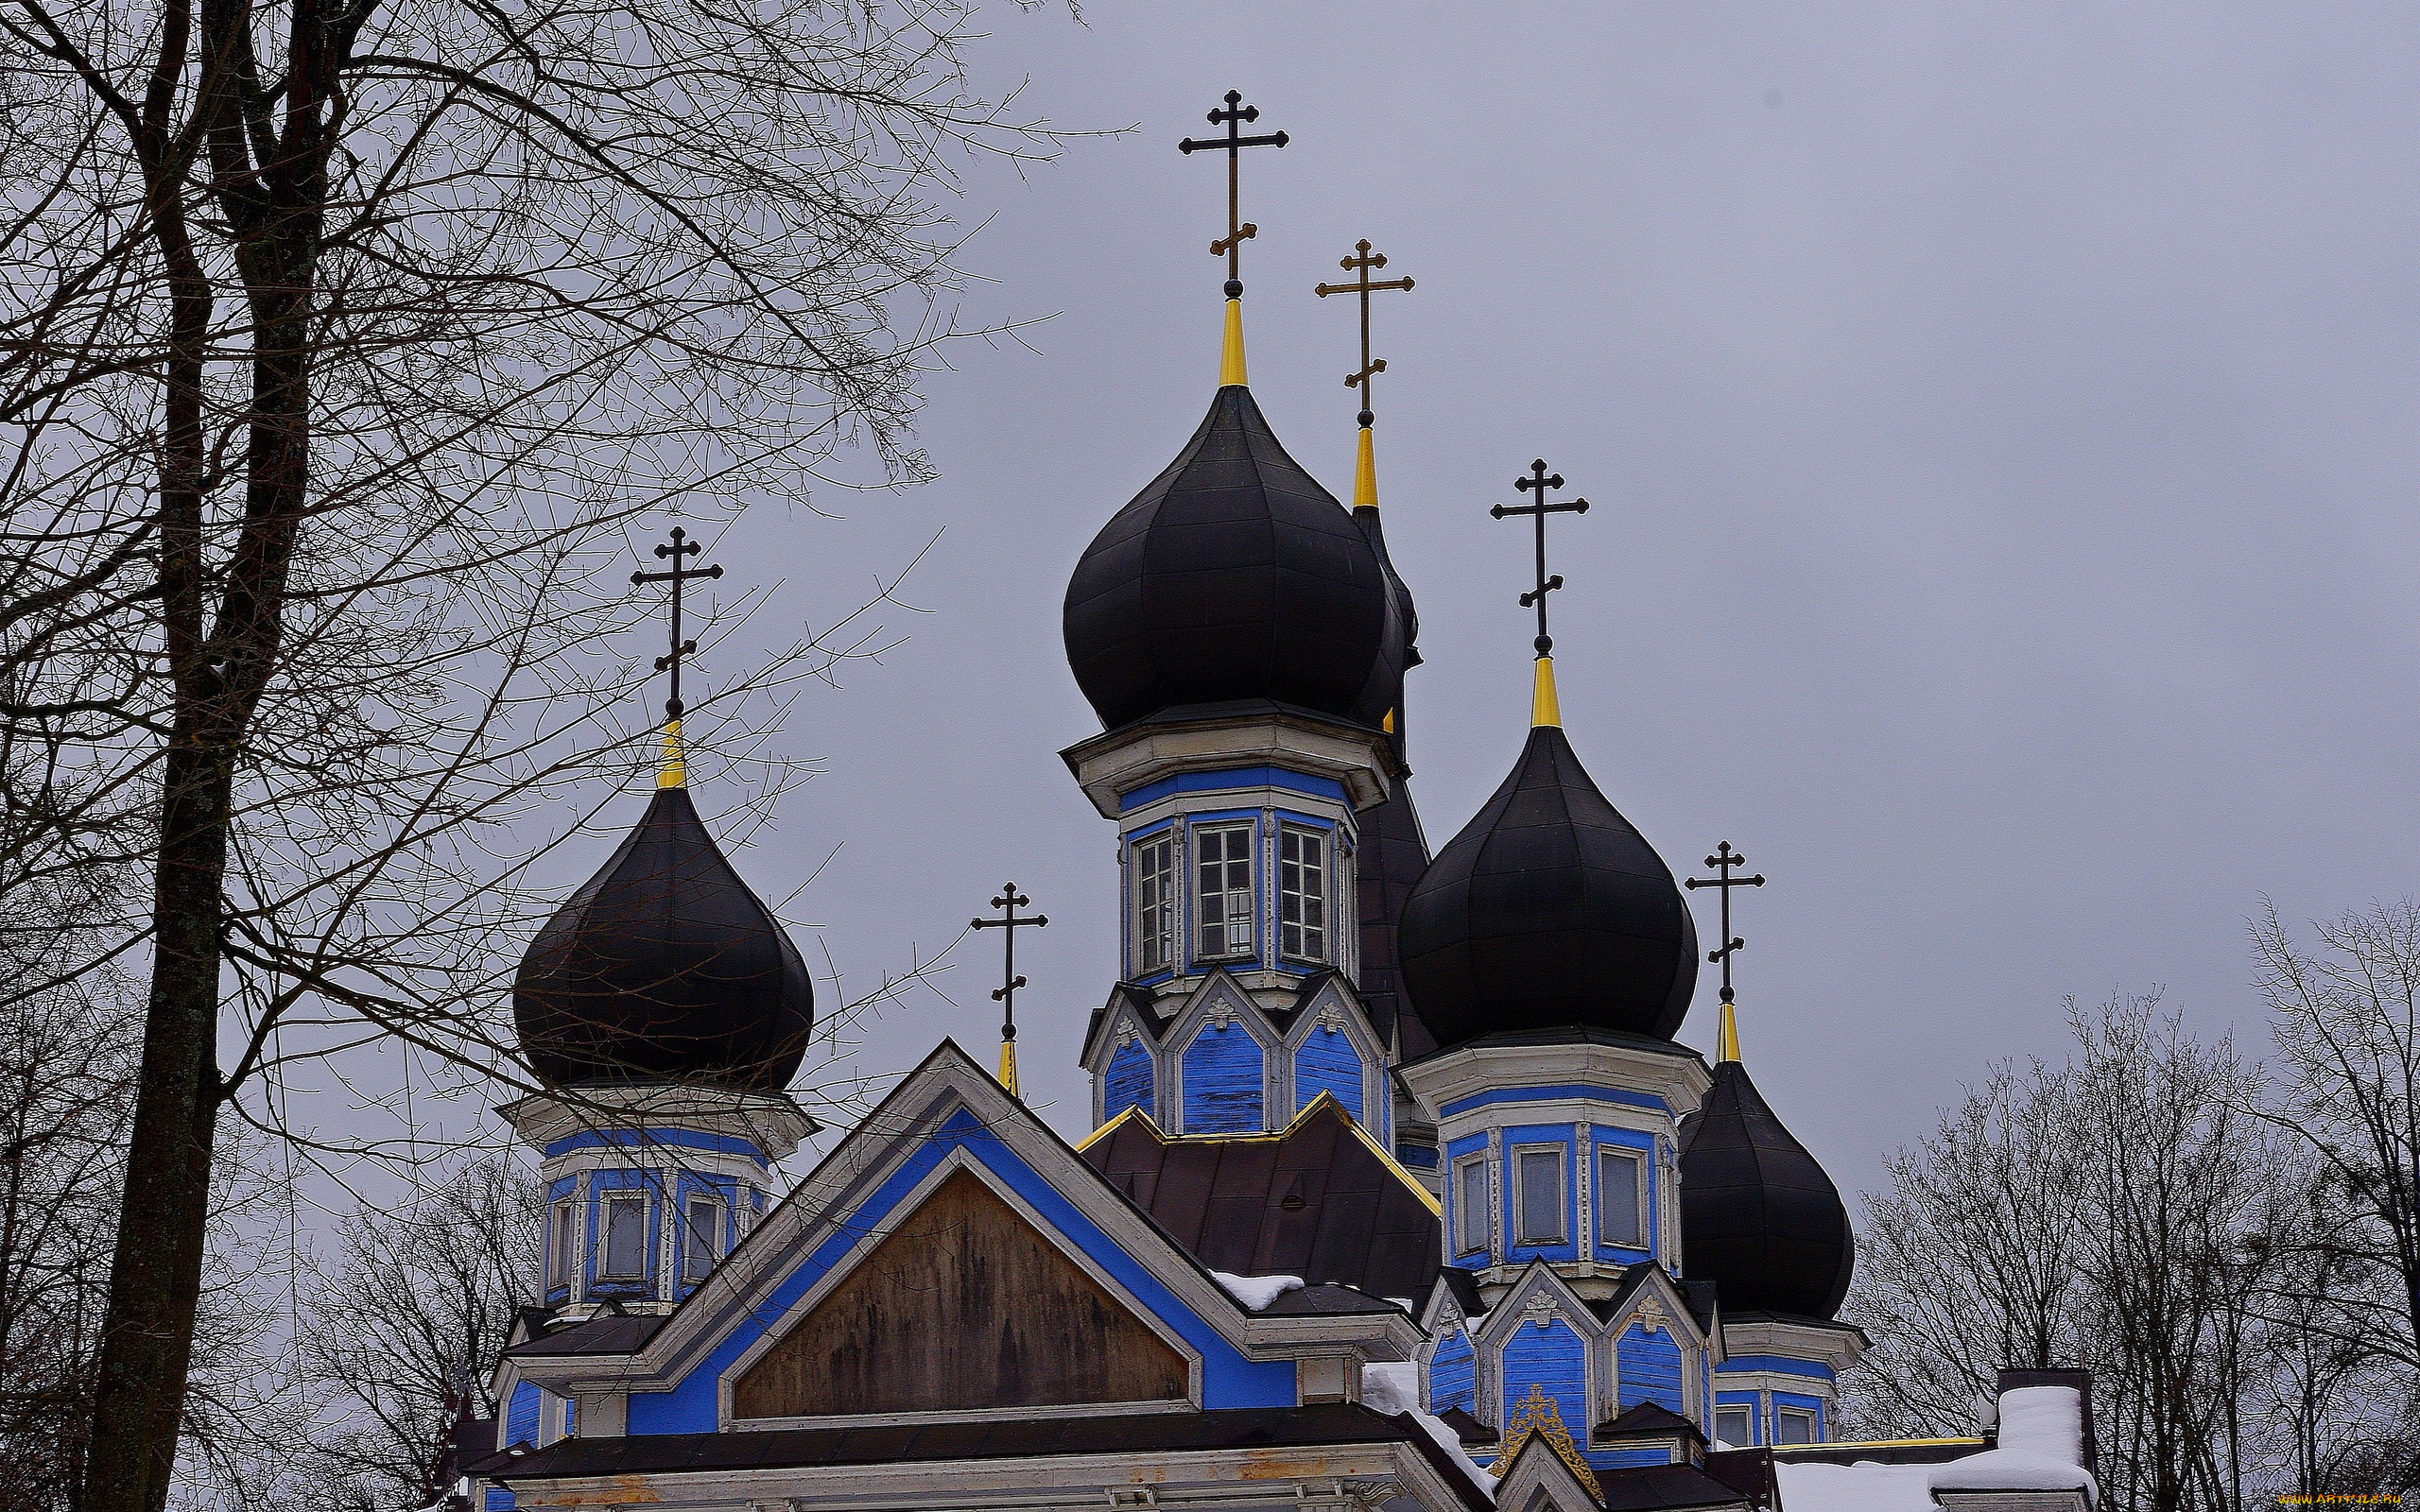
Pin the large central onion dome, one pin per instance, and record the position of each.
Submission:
(1234, 576)
(1549, 911)
(1758, 1215)
(664, 967)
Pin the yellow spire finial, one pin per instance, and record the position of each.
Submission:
(1544, 709)
(1231, 353)
(1008, 1067)
(671, 771)
(1726, 1044)
(1365, 474)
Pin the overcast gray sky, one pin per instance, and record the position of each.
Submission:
(2000, 422)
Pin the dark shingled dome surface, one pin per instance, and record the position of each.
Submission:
(1757, 1213)
(1234, 575)
(1548, 910)
(664, 967)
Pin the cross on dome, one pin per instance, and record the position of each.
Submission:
(681, 548)
(1726, 861)
(1230, 245)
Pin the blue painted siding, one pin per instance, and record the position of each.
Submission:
(1453, 1375)
(1560, 1134)
(1128, 1082)
(668, 1139)
(1419, 1157)
(1551, 1094)
(1222, 1075)
(520, 1416)
(1328, 1063)
(499, 1499)
(1229, 1379)
(1552, 1358)
(1276, 777)
(1778, 1364)
(1622, 1459)
(1650, 1369)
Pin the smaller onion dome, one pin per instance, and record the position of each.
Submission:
(1759, 1217)
(1234, 576)
(1549, 911)
(664, 967)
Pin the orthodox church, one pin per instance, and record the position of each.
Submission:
(1399, 1191)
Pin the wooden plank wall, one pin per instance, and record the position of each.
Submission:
(964, 1306)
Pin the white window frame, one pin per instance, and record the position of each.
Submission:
(1748, 1418)
(1250, 892)
(1324, 898)
(635, 1197)
(715, 1251)
(1169, 927)
(1605, 1155)
(1517, 1209)
(562, 1248)
(1783, 1415)
(1474, 1231)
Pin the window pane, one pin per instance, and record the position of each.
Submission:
(559, 1259)
(1618, 1214)
(1155, 902)
(1793, 1428)
(1302, 893)
(705, 1235)
(1541, 1173)
(1730, 1426)
(625, 1237)
(1471, 1209)
(1224, 876)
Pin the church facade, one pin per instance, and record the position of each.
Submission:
(1399, 1191)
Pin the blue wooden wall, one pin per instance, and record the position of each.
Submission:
(1127, 1083)
(1328, 1063)
(1453, 1375)
(1650, 1369)
(520, 1416)
(1553, 1359)
(1223, 1070)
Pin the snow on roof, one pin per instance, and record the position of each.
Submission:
(1256, 1292)
(2041, 1449)
(1390, 1386)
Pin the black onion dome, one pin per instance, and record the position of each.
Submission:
(1759, 1217)
(1549, 911)
(1387, 863)
(1234, 576)
(664, 967)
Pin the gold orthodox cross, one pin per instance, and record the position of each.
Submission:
(1233, 144)
(1365, 260)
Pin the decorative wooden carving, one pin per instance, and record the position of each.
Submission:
(961, 1307)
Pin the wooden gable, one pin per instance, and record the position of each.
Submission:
(964, 1306)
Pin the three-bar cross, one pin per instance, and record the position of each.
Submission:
(1008, 902)
(682, 547)
(1364, 260)
(1233, 143)
(1538, 482)
(1724, 862)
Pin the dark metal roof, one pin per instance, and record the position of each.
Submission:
(1327, 1300)
(1643, 1487)
(1236, 1428)
(1315, 1201)
(664, 967)
(1749, 1471)
(1234, 575)
(1758, 1215)
(1549, 910)
(1391, 858)
(1646, 1419)
(599, 1335)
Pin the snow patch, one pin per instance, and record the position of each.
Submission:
(1256, 1292)
(1451, 1442)
(2041, 1449)
(1864, 1486)
(1390, 1386)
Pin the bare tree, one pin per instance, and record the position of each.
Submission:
(341, 342)
(2346, 1018)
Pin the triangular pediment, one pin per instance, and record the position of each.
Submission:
(964, 1306)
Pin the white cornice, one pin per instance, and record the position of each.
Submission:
(1119, 761)
(1677, 1076)
(771, 1121)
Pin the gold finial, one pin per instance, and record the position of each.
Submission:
(1008, 1067)
(671, 771)
(1726, 1045)
(1231, 353)
(1544, 709)
(1365, 474)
